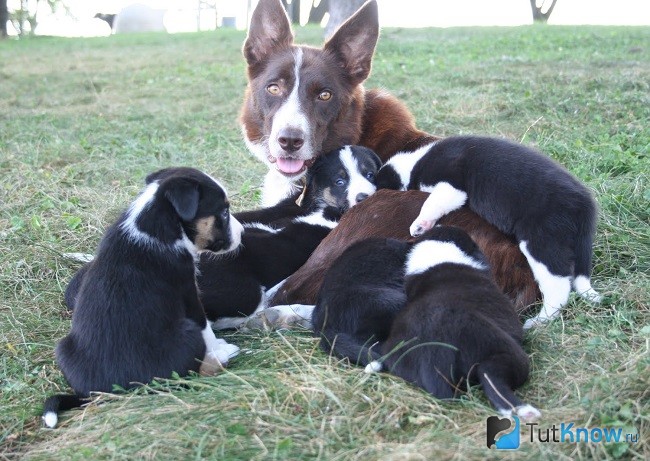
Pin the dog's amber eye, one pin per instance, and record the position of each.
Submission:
(273, 89)
(325, 95)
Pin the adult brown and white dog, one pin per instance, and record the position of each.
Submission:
(302, 100)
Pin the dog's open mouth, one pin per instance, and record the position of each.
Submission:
(289, 166)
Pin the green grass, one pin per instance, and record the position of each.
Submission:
(83, 121)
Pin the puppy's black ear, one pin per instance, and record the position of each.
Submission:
(184, 197)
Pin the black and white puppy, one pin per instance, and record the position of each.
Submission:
(137, 313)
(456, 325)
(520, 191)
(278, 240)
(361, 293)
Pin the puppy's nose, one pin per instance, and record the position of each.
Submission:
(361, 196)
(291, 139)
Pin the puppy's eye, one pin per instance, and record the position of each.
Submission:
(225, 213)
(370, 176)
(273, 89)
(325, 95)
(340, 182)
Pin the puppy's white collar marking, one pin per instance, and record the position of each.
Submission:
(316, 219)
(430, 253)
(130, 227)
(263, 227)
(404, 162)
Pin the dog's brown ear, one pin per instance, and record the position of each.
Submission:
(184, 197)
(354, 42)
(270, 30)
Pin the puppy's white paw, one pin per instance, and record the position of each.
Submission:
(528, 413)
(535, 322)
(218, 356)
(374, 367)
(420, 226)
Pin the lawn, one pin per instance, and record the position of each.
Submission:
(82, 121)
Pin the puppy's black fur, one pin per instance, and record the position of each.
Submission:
(457, 324)
(361, 293)
(137, 314)
(444, 321)
(517, 189)
(279, 239)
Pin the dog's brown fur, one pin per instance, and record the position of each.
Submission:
(388, 214)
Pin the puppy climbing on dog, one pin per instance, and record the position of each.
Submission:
(521, 192)
(137, 313)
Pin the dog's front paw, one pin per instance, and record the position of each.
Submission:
(420, 226)
(277, 317)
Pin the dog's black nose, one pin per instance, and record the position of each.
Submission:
(291, 139)
(361, 196)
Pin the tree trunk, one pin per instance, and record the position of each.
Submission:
(538, 14)
(4, 17)
(340, 10)
(316, 13)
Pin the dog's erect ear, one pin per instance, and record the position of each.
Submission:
(184, 197)
(354, 42)
(270, 30)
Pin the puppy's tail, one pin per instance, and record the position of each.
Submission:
(57, 403)
(585, 240)
(583, 253)
(347, 346)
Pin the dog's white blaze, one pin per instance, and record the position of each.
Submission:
(443, 198)
(555, 289)
(431, 253)
(291, 115)
(316, 219)
(357, 184)
(262, 227)
(582, 286)
(50, 419)
(403, 163)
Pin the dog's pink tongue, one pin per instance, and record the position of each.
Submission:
(289, 165)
